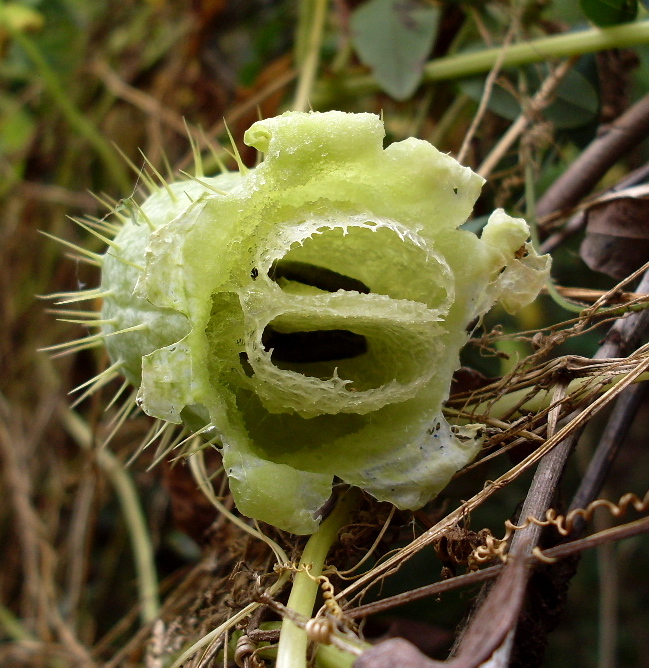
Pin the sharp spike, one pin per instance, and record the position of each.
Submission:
(78, 348)
(235, 151)
(85, 260)
(134, 328)
(128, 409)
(88, 323)
(167, 165)
(97, 382)
(111, 200)
(207, 427)
(103, 224)
(215, 156)
(107, 371)
(198, 160)
(140, 171)
(72, 314)
(72, 344)
(128, 263)
(201, 446)
(83, 251)
(205, 184)
(94, 337)
(161, 178)
(165, 448)
(101, 237)
(81, 296)
(151, 436)
(129, 405)
(117, 395)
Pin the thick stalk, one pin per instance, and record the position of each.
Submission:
(478, 62)
(311, 55)
(293, 640)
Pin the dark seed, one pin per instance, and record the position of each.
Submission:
(245, 365)
(472, 325)
(317, 346)
(318, 277)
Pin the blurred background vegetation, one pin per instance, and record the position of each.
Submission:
(82, 78)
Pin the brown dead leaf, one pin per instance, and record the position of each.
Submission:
(466, 379)
(192, 511)
(617, 237)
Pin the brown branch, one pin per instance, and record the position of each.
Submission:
(493, 621)
(584, 173)
(538, 500)
(624, 335)
(141, 100)
(569, 549)
(544, 97)
(579, 214)
(496, 618)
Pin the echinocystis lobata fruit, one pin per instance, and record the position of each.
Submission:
(310, 312)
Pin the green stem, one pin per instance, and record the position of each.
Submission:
(328, 656)
(13, 628)
(524, 53)
(560, 300)
(311, 55)
(293, 640)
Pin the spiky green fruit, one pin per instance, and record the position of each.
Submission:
(311, 311)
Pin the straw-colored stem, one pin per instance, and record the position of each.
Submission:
(309, 66)
(126, 492)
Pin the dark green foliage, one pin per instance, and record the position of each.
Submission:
(609, 12)
(394, 38)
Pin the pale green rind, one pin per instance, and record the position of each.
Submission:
(280, 491)
(121, 272)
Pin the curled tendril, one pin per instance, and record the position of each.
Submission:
(497, 548)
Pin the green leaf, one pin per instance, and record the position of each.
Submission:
(20, 17)
(609, 12)
(16, 126)
(394, 38)
(576, 101)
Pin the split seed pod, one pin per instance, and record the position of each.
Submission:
(311, 311)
